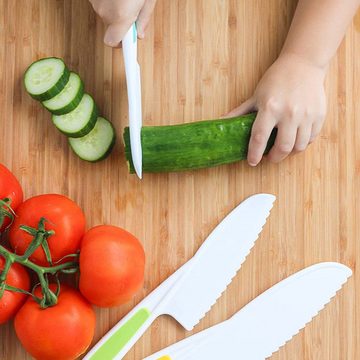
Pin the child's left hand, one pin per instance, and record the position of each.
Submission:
(290, 97)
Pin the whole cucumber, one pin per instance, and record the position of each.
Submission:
(194, 145)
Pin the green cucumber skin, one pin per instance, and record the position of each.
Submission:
(72, 105)
(84, 131)
(106, 154)
(194, 145)
(56, 89)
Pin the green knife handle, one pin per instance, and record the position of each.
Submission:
(122, 337)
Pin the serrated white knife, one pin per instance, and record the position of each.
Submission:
(191, 291)
(133, 83)
(266, 323)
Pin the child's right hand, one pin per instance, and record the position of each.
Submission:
(119, 15)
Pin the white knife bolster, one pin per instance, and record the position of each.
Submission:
(159, 298)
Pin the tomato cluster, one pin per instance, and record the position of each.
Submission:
(42, 233)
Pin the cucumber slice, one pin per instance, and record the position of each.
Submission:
(80, 121)
(69, 98)
(46, 78)
(96, 145)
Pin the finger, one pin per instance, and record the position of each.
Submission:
(244, 108)
(115, 33)
(315, 131)
(284, 143)
(302, 138)
(260, 133)
(144, 17)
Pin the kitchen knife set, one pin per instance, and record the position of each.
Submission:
(257, 330)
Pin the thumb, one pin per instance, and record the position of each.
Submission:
(243, 109)
(144, 17)
(115, 33)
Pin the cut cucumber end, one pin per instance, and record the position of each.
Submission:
(97, 144)
(46, 78)
(80, 121)
(68, 99)
(128, 155)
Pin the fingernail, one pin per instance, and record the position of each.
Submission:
(109, 42)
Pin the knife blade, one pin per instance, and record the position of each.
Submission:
(266, 323)
(191, 291)
(218, 260)
(133, 82)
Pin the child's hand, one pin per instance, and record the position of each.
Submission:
(119, 15)
(290, 97)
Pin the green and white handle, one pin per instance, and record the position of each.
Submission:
(121, 338)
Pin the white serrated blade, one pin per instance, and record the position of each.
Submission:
(218, 260)
(268, 322)
(133, 82)
(274, 317)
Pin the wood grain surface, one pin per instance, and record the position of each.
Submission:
(200, 59)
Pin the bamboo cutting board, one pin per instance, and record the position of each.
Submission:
(200, 59)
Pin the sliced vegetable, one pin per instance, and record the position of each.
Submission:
(11, 196)
(97, 144)
(74, 113)
(10, 301)
(46, 78)
(112, 265)
(60, 332)
(194, 145)
(62, 215)
(80, 121)
(69, 98)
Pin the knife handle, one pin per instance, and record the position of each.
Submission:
(120, 339)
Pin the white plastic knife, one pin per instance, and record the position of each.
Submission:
(133, 82)
(268, 322)
(189, 293)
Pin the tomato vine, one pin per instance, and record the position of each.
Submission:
(6, 211)
(40, 237)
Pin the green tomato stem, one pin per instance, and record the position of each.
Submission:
(40, 239)
(49, 298)
(6, 211)
(37, 268)
(8, 263)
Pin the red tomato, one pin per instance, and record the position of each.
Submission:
(60, 332)
(9, 189)
(62, 215)
(112, 265)
(11, 301)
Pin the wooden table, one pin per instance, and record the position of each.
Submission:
(200, 59)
